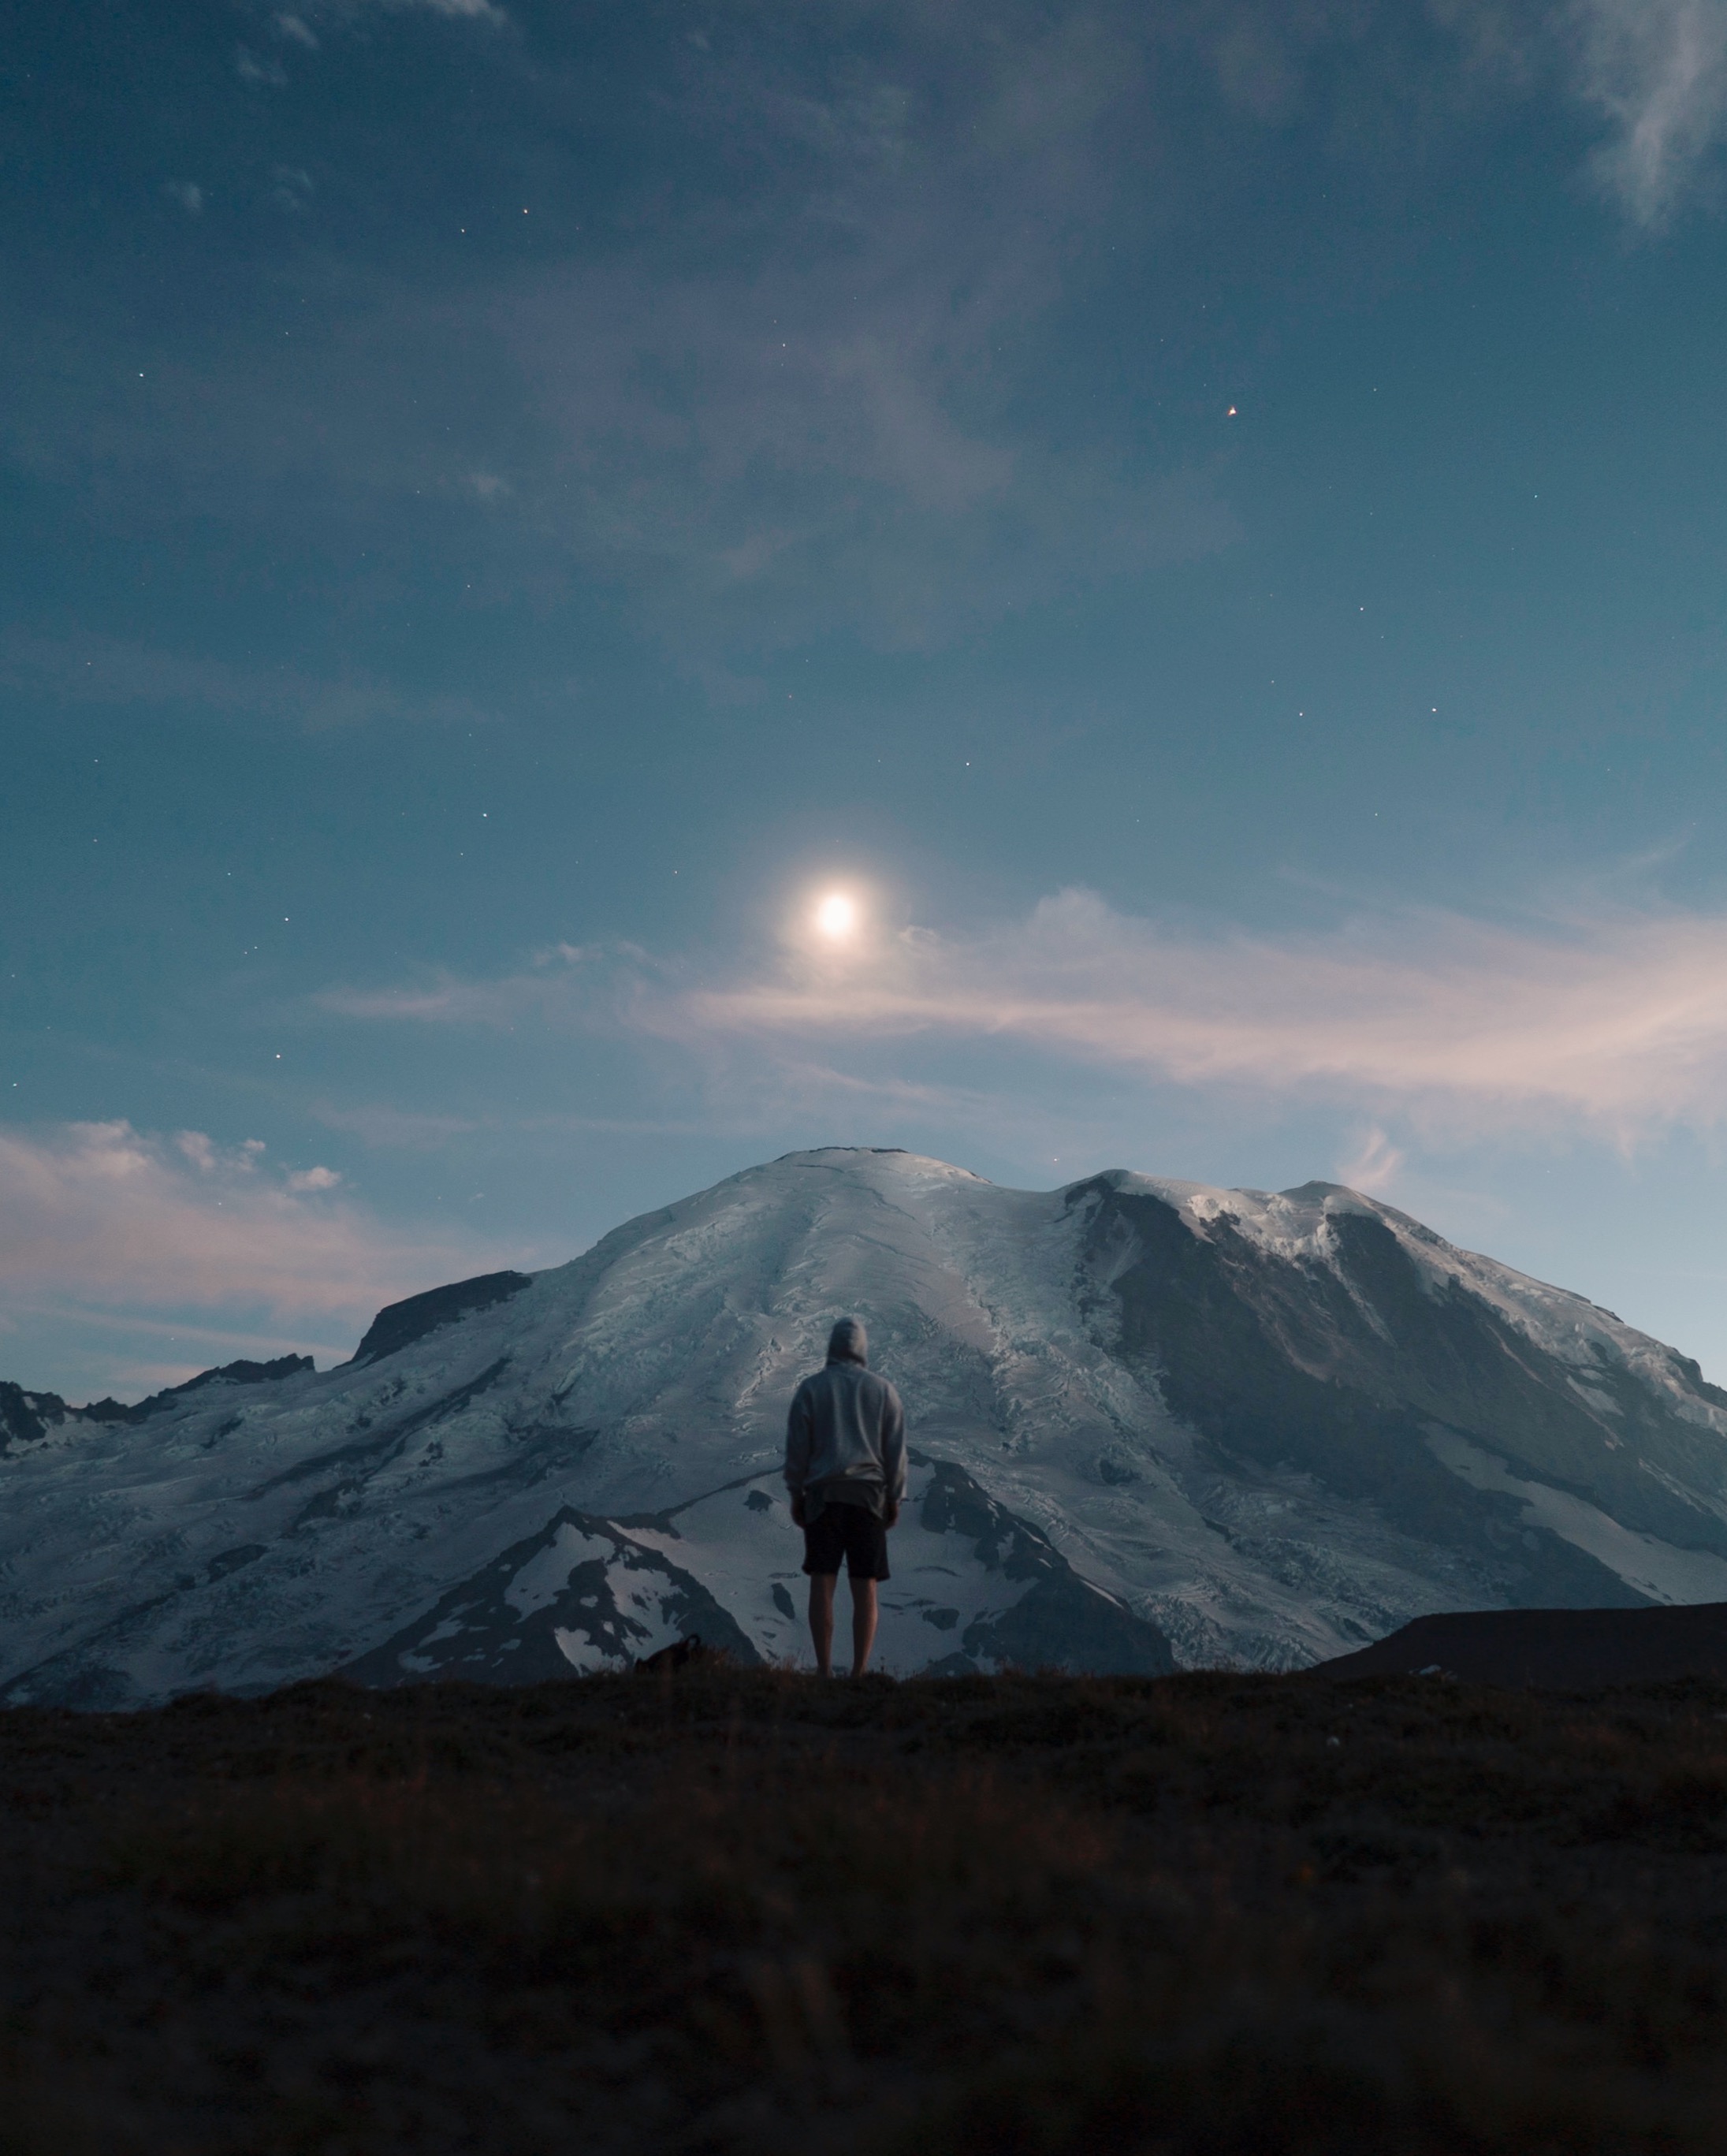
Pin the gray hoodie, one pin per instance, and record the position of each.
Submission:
(845, 1436)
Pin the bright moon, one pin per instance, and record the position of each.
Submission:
(836, 916)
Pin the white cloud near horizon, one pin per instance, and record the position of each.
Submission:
(1657, 69)
(1614, 1026)
(122, 1222)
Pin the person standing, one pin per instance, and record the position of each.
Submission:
(845, 1468)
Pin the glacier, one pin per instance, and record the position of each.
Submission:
(1155, 1424)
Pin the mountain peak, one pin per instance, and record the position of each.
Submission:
(1259, 1428)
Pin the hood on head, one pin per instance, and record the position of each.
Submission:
(848, 1343)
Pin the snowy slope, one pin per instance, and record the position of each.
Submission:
(972, 1589)
(1262, 1428)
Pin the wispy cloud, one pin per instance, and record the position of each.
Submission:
(262, 73)
(826, 428)
(391, 1129)
(293, 188)
(112, 671)
(812, 393)
(561, 982)
(1372, 1163)
(1617, 1024)
(452, 10)
(120, 1222)
(296, 27)
(804, 379)
(1620, 1023)
(397, 1129)
(468, 11)
(1657, 69)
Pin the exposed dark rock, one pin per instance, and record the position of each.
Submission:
(398, 1324)
(1063, 1622)
(23, 1415)
(230, 1374)
(681, 1654)
(27, 1418)
(228, 1561)
(1336, 1373)
(495, 1629)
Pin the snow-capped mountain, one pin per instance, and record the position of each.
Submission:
(1150, 1419)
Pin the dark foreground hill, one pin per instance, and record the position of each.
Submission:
(742, 1911)
(1560, 1649)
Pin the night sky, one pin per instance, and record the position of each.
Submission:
(1204, 524)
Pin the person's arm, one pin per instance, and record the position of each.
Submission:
(893, 1456)
(799, 1436)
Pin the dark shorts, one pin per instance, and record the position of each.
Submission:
(851, 1532)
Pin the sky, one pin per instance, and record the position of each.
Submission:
(1203, 525)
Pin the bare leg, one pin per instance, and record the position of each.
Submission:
(863, 1613)
(821, 1616)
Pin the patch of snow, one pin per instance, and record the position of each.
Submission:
(1642, 1561)
(740, 1553)
(546, 1573)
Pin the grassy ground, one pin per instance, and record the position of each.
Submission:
(743, 1910)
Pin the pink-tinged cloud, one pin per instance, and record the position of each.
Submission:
(1621, 1023)
(102, 1214)
(1616, 1024)
(564, 982)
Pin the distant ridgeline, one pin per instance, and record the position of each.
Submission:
(1157, 1424)
(27, 1418)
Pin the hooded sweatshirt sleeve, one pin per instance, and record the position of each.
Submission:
(893, 1443)
(800, 1438)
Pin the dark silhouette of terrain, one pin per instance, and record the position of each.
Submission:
(27, 1418)
(398, 1325)
(1559, 1649)
(730, 1910)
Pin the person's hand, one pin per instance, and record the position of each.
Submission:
(797, 1518)
(890, 1518)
